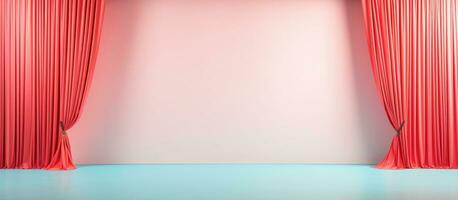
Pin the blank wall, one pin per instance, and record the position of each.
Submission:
(232, 81)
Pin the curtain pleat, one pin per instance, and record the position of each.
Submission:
(412, 45)
(48, 50)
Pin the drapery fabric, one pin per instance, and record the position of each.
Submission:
(48, 50)
(413, 49)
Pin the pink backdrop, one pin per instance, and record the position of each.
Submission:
(232, 81)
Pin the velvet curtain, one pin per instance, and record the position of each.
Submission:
(48, 50)
(413, 48)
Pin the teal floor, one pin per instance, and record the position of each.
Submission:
(220, 182)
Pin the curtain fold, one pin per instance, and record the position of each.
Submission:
(48, 50)
(412, 45)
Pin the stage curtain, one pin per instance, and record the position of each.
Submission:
(412, 45)
(48, 51)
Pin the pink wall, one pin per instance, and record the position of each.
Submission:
(206, 81)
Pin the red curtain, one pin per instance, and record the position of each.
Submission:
(413, 48)
(48, 50)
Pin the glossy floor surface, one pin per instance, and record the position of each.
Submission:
(220, 182)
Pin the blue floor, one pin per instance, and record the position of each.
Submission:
(220, 182)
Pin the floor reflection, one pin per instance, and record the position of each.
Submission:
(219, 182)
